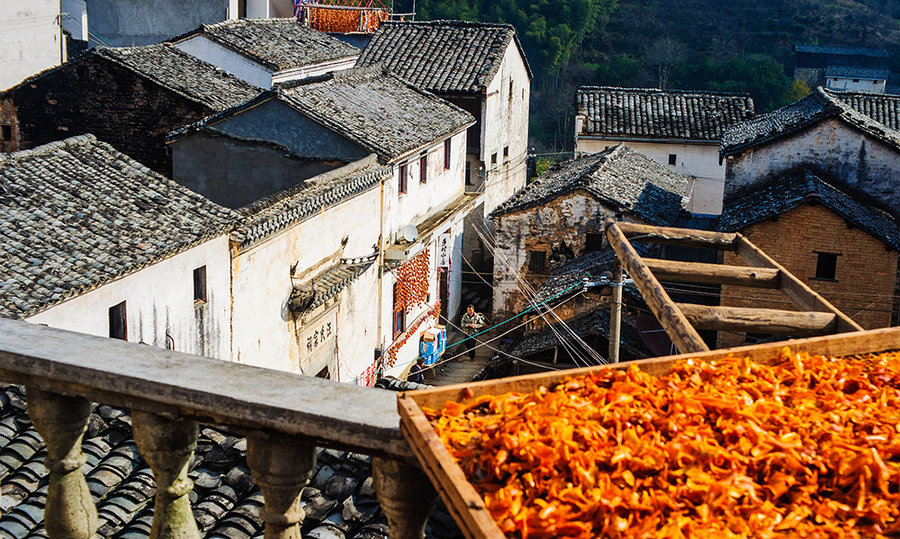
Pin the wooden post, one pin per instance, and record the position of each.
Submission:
(281, 466)
(555, 354)
(615, 313)
(774, 321)
(670, 317)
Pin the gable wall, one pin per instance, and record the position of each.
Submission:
(227, 59)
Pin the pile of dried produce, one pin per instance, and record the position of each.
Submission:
(809, 447)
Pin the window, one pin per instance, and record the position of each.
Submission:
(673, 159)
(493, 158)
(447, 154)
(200, 285)
(323, 373)
(401, 186)
(855, 80)
(537, 260)
(510, 90)
(399, 324)
(5, 132)
(423, 169)
(468, 173)
(826, 266)
(118, 325)
(593, 241)
(505, 152)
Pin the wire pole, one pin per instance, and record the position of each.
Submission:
(615, 312)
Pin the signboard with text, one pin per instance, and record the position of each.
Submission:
(444, 248)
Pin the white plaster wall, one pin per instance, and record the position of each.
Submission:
(263, 326)
(314, 70)
(830, 147)
(226, 59)
(700, 160)
(422, 200)
(505, 124)
(74, 18)
(30, 39)
(159, 301)
(856, 85)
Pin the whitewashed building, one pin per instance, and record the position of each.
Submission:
(681, 129)
(265, 52)
(32, 39)
(94, 242)
(481, 67)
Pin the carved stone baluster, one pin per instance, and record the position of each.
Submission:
(406, 496)
(167, 446)
(62, 421)
(281, 466)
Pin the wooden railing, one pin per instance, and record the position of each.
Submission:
(284, 417)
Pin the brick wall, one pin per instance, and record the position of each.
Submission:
(9, 127)
(865, 275)
(96, 96)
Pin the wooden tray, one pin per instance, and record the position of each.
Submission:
(467, 506)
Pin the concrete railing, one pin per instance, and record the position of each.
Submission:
(284, 417)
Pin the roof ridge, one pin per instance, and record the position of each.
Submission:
(50, 147)
(452, 22)
(661, 90)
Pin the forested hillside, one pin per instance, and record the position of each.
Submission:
(735, 45)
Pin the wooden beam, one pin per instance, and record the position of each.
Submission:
(615, 313)
(774, 321)
(796, 290)
(698, 272)
(670, 317)
(684, 237)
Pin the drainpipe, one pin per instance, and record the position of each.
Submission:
(381, 261)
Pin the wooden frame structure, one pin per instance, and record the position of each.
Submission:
(816, 316)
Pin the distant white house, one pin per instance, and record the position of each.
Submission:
(265, 52)
(681, 129)
(97, 243)
(854, 69)
(856, 79)
(32, 39)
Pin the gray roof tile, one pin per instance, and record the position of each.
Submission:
(619, 176)
(841, 50)
(667, 114)
(782, 194)
(76, 214)
(279, 44)
(877, 115)
(857, 72)
(441, 56)
(591, 323)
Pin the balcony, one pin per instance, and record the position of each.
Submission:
(283, 416)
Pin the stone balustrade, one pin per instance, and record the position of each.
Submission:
(284, 417)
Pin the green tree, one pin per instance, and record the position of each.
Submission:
(798, 89)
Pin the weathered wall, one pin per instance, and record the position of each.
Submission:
(123, 23)
(564, 220)
(266, 334)
(227, 59)
(275, 122)
(855, 85)
(160, 303)
(866, 270)
(830, 148)
(236, 179)
(698, 160)
(31, 41)
(99, 97)
(9, 126)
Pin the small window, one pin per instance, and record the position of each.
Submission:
(200, 284)
(468, 173)
(323, 373)
(399, 322)
(401, 186)
(510, 90)
(423, 169)
(826, 266)
(5, 133)
(537, 260)
(118, 325)
(673, 159)
(505, 152)
(493, 158)
(593, 241)
(447, 151)
(855, 80)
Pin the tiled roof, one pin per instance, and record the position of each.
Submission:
(592, 323)
(183, 74)
(279, 44)
(376, 110)
(339, 501)
(874, 114)
(847, 51)
(619, 176)
(783, 194)
(857, 72)
(593, 265)
(76, 214)
(442, 56)
(659, 114)
(329, 284)
(272, 214)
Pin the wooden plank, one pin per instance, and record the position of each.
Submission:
(698, 272)
(672, 320)
(685, 237)
(802, 296)
(773, 321)
(462, 500)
